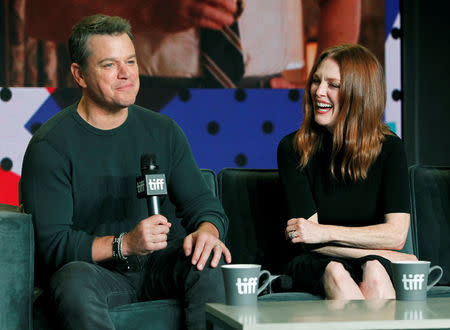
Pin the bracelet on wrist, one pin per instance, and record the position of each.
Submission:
(121, 256)
(117, 247)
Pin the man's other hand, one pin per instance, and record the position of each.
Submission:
(204, 240)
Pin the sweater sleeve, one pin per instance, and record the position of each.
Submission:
(47, 194)
(194, 201)
(294, 181)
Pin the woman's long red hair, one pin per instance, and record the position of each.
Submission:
(359, 131)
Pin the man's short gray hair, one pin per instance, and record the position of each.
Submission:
(94, 25)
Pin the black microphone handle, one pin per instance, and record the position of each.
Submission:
(153, 205)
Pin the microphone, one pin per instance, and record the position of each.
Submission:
(151, 185)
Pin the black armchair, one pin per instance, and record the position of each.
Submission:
(254, 203)
(430, 219)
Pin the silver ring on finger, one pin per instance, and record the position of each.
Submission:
(218, 246)
(291, 234)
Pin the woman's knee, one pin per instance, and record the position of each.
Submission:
(376, 282)
(338, 283)
(336, 272)
(374, 271)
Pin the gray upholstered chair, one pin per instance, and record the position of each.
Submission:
(16, 268)
(156, 314)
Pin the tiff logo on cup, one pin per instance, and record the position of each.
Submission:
(413, 282)
(247, 285)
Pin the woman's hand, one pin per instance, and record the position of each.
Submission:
(300, 230)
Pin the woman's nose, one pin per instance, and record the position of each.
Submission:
(321, 89)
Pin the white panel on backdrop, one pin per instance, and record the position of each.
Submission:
(393, 114)
(14, 114)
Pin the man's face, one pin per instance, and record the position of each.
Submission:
(111, 79)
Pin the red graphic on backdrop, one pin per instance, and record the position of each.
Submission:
(9, 189)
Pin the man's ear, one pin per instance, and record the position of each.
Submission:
(78, 74)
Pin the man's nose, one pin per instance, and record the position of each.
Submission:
(124, 71)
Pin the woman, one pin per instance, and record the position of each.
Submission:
(344, 174)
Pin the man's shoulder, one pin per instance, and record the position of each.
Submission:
(151, 117)
(55, 124)
(148, 114)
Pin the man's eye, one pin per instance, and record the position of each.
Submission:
(131, 61)
(108, 65)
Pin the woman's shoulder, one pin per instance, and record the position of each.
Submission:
(393, 150)
(392, 142)
(287, 142)
(286, 152)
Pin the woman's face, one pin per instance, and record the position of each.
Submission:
(324, 90)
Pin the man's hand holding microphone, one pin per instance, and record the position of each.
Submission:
(151, 233)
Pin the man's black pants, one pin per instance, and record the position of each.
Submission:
(83, 292)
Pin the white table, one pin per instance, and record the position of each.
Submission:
(333, 314)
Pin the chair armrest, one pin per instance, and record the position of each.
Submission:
(16, 269)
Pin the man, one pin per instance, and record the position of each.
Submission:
(93, 235)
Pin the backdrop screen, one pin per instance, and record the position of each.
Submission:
(231, 127)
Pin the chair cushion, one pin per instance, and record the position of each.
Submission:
(430, 214)
(16, 270)
(439, 291)
(211, 180)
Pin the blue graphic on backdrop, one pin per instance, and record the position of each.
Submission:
(392, 9)
(247, 132)
(44, 113)
(226, 127)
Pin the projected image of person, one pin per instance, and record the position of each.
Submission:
(97, 244)
(344, 174)
(172, 37)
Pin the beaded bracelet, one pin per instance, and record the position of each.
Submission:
(117, 247)
(121, 256)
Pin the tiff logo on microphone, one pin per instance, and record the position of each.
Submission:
(140, 186)
(247, 285)
(156, 184)
(413, 282)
